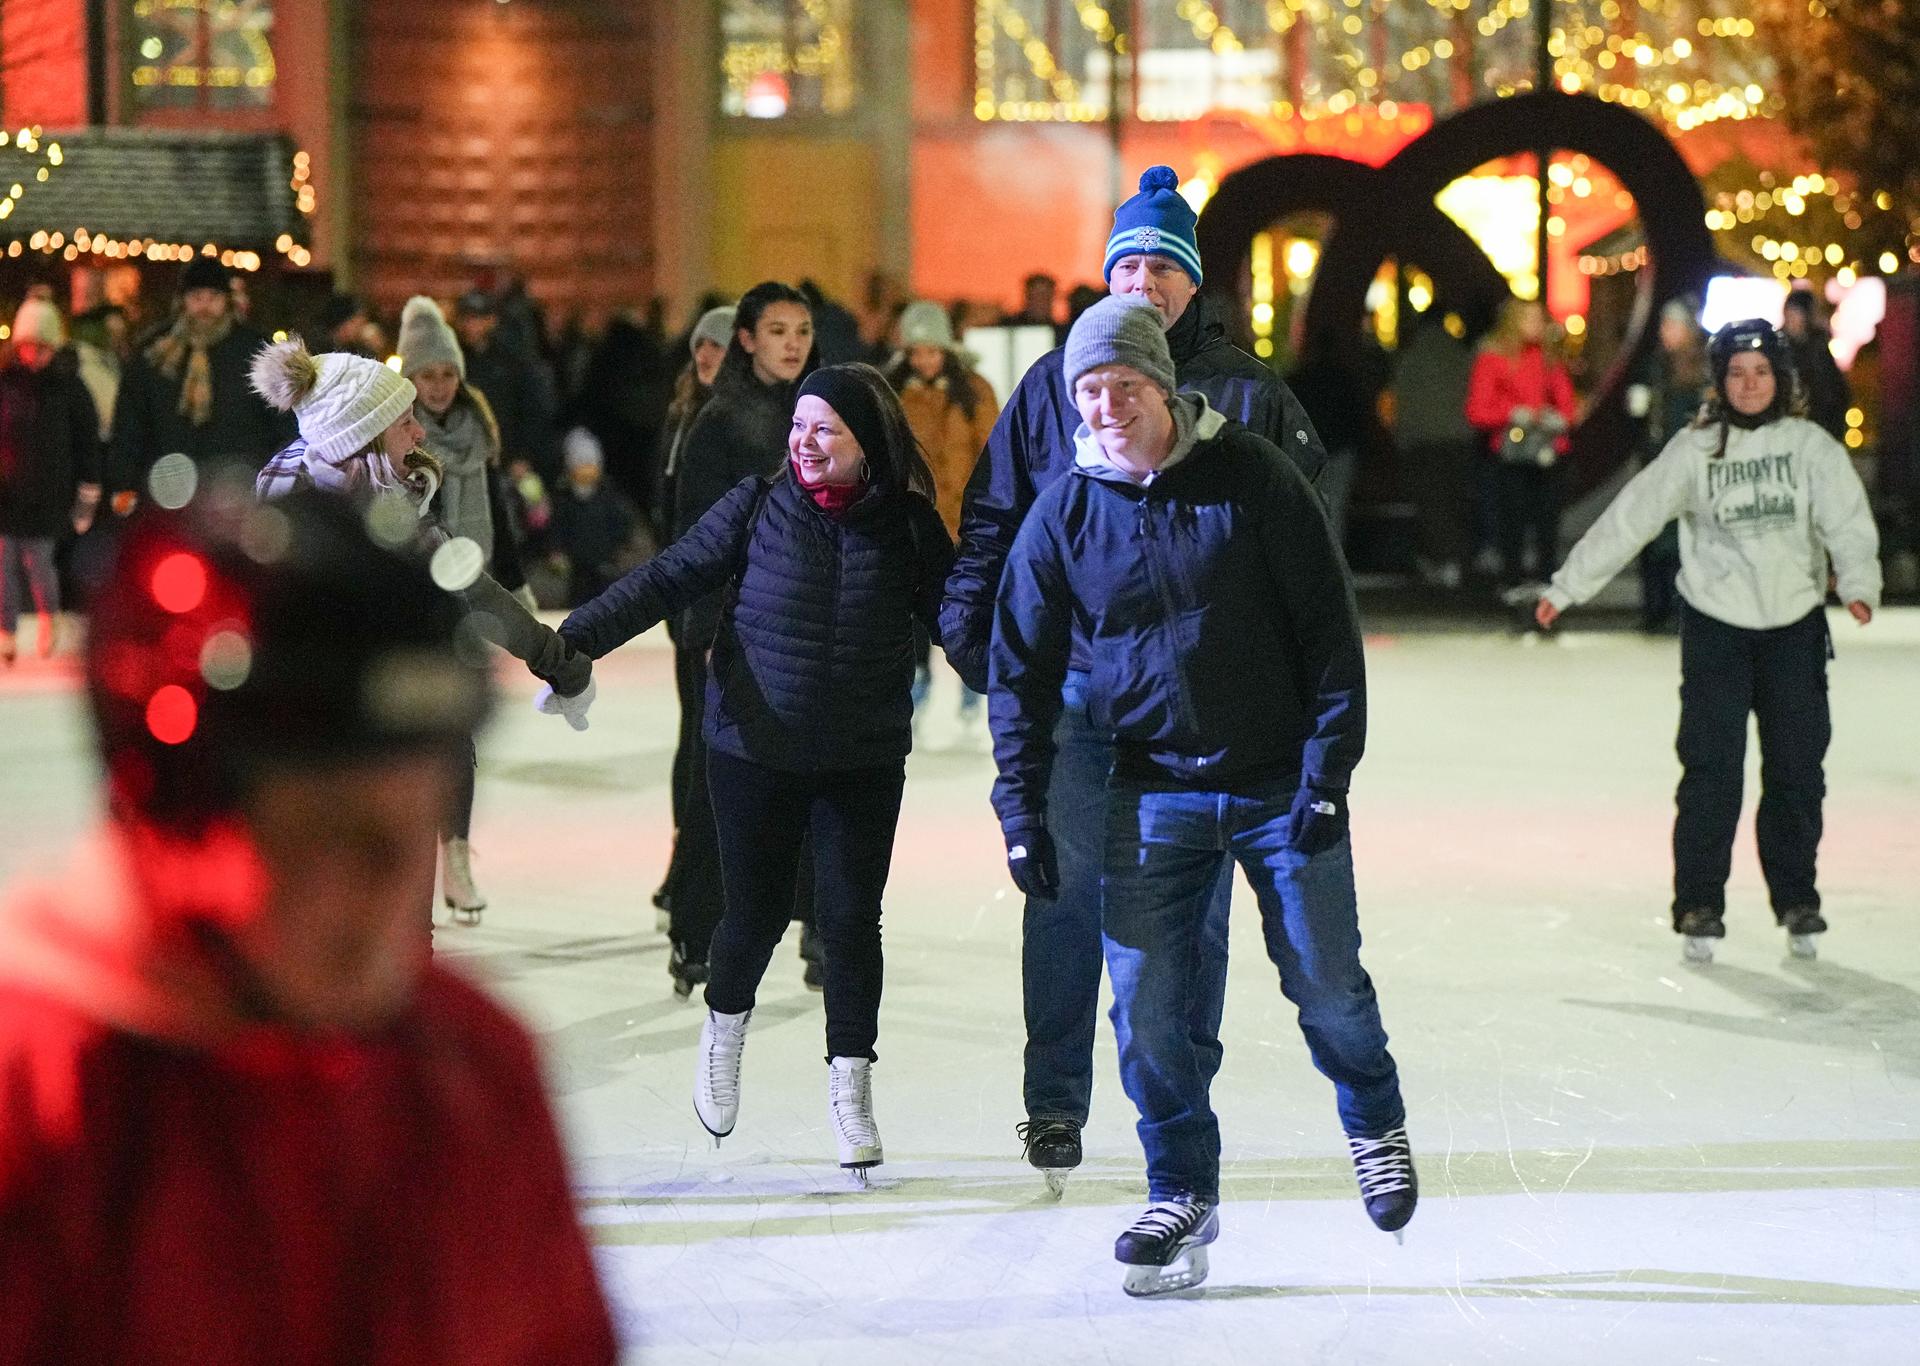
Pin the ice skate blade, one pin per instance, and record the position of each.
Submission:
(860, 1173)
(1400, 1236)
(1803, 945)
(1056, 1183)
(1182, 1273)
(1698, 950)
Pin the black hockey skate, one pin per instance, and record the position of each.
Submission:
(1801, 927)
(1052, 1146)
(1700, 929)
(1389, 1186)
(687, 973)
(1165, 1249)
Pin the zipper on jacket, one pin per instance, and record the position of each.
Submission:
(1158, 573)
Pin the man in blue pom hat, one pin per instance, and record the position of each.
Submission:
(1151, 252)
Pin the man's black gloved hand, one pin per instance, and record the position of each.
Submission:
(1031, 861)
(1319, 819)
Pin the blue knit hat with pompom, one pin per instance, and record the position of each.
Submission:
(1155, 222)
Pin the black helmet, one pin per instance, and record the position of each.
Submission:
(234, 636)
(1753, 334)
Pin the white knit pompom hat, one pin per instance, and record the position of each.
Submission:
(343, 401)
(426, 338)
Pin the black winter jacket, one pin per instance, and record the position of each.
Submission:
(49, 446)
(741, 433)
(1032, 446)
(148, 423)
(813, 665)
(1223, 642)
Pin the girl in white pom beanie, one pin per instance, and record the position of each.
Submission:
(359, 438)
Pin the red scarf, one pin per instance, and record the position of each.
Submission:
(835, 499)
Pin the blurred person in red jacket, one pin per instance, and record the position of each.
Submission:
(243, 1117)
(1520, 398)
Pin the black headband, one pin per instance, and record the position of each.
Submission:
(841, 389)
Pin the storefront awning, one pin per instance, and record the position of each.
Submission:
(234, 190)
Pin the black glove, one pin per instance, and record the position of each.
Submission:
(562, 667)
(1319, 819)
(1031, 861)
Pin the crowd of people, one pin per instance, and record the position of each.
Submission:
(1135, 558)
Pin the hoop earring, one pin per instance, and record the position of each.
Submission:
(866, 471)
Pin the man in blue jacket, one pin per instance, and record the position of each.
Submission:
(1151, 254)
(1190, 564)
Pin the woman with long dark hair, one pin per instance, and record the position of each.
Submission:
(823, 570)
(739, 433)
(711, 336)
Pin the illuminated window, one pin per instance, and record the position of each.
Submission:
(201, 54)
(781, 58)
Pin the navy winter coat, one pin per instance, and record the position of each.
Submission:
(1218, 618)
(1032, 446)
(813, 664)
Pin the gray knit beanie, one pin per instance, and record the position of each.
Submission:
(715, 325)
(1122, 329)
(427, 339)
(925, 323)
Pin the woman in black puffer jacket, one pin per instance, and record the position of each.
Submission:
(823, 569)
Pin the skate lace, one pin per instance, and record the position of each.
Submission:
(852, 1097)
(723, 1063)
(1169, 1218)
(1383, 1165)
(1034, 1131)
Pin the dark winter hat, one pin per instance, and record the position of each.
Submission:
(853, 399)
(1155, 222)
(205, 272)
(235, 636)
(1122, 329)
(1753, 334)
(340, 308)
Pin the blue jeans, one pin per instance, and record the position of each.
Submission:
(1165, 852)
(1060, 939)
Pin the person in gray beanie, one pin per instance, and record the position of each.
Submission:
(1190, 562)
(464, 436)
(711, 336)
(951, 409)
(1151, 255)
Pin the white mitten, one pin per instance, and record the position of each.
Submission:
(573, 708)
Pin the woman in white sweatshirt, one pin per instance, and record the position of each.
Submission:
(1764, 498)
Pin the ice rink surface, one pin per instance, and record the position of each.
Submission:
(1622, 1160)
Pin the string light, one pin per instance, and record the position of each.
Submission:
(87, 243)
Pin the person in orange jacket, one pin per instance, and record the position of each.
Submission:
(951, 409)
(243, 1116)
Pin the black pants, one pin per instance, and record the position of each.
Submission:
(763, 815)
(1441, 473)
(695, 893)
(1659, 563)
(1529, 516)
(459, 822)
(1781, 677)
